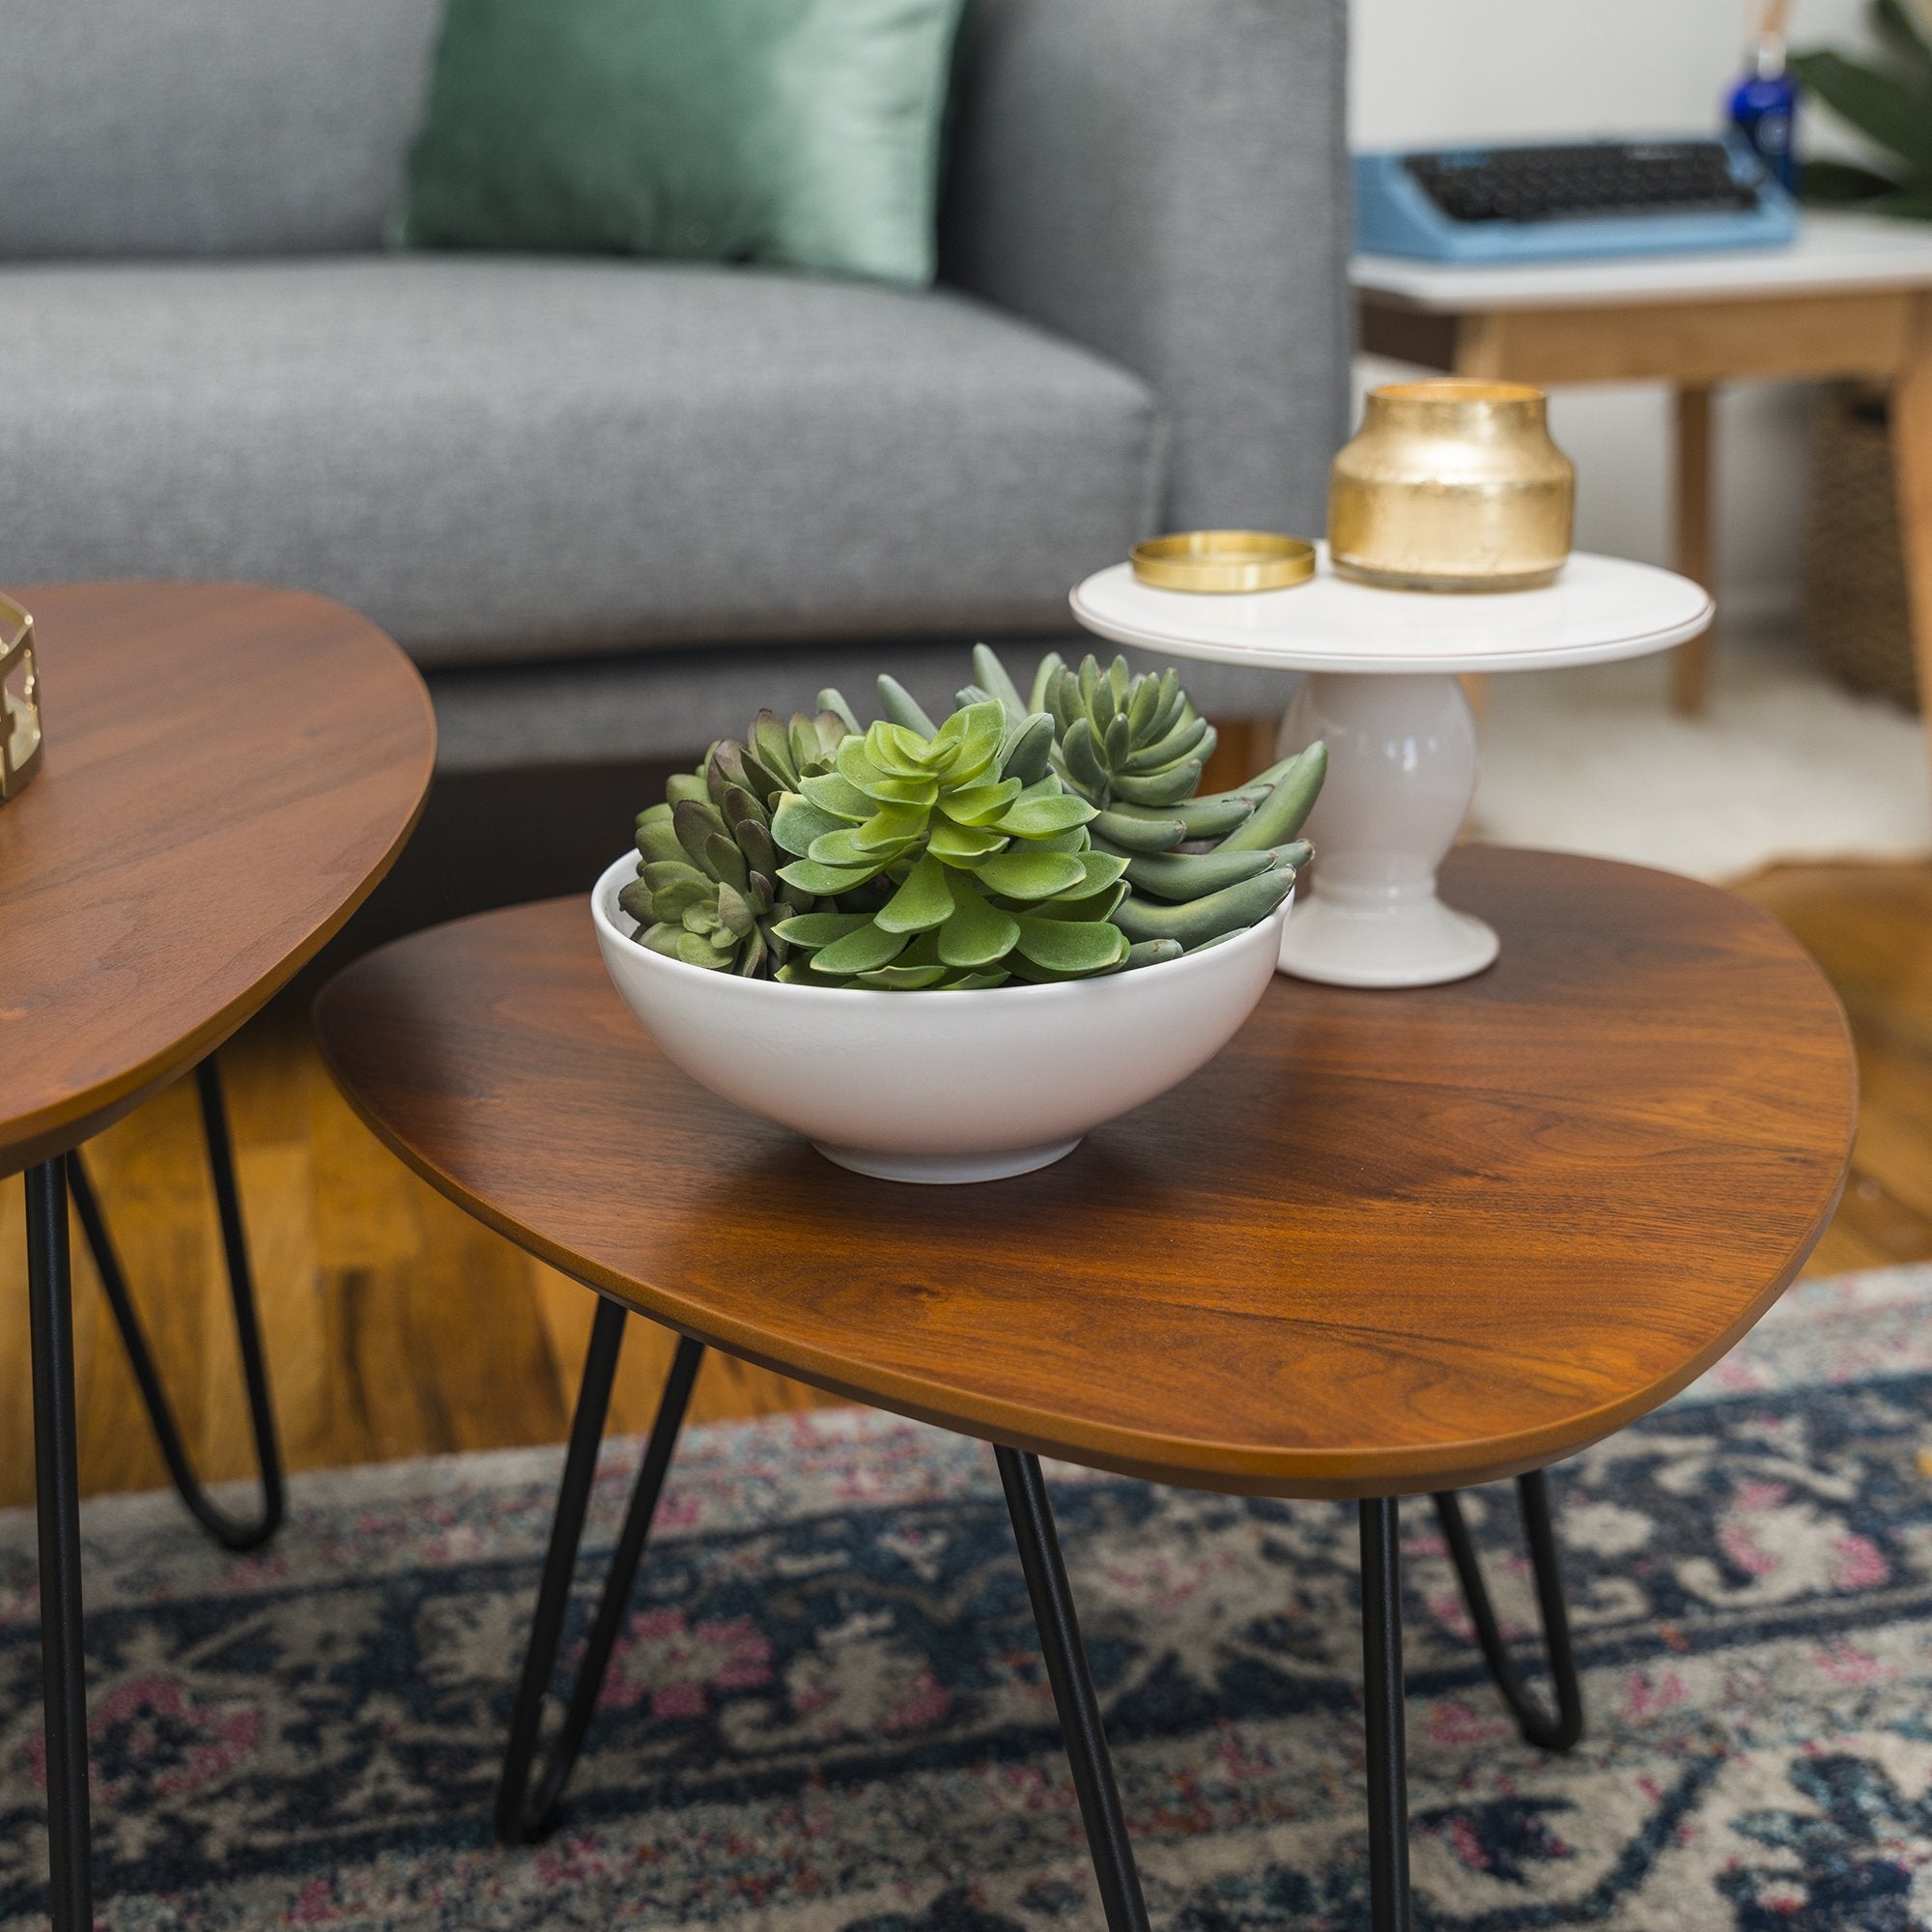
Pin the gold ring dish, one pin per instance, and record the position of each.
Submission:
(1452, 484)
(1222, 561)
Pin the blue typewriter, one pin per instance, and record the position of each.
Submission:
(1542, 204)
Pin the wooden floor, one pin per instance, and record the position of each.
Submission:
(397, 1326)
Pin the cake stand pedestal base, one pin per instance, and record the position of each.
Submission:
(1401, 771)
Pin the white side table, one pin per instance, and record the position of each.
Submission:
(1851, 296)
(1402, 742)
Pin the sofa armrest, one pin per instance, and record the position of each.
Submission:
(1166, 180)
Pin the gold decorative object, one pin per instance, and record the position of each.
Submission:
(1452, 484)
(1223, 560)
(20, 700)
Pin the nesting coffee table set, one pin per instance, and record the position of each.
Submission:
(1471, 1190)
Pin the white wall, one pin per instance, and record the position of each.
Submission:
(1434, 72)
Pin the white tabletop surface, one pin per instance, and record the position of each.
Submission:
(1833, 253)
(1600, 608)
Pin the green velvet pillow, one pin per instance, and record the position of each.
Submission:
(797, 133)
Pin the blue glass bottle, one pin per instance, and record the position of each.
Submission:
(1763, 109)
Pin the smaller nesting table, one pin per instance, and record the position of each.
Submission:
(1382, 693)
(228, 773)
(1382, 1245)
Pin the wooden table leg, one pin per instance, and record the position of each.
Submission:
(1691, 547)
(1912, 457)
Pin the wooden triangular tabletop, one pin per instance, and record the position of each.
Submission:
(1384, 1242)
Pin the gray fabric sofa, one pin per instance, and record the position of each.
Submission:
(610, 504)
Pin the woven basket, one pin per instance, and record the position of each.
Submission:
(1856, 612)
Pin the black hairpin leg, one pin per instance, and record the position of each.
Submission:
(1382, 1695)
(1538, 1727)
(1072, 1691)
(57, 1495)
(524, 1810)
(231, 1532)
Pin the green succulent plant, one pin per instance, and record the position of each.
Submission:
(708, 889)
(1888, 100)
(1197, 868)
(976, 857)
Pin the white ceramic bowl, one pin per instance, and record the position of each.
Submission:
(939, 1086)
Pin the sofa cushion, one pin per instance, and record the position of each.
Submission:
(503, 458)
(798, 133)
(205, 127)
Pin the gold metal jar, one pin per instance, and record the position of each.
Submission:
(1452, 484)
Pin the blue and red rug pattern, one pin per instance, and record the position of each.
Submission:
(828, 1711)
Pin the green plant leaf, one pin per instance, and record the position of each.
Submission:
(1100, 869)
(813, 929)
(797, 973)
(797, 822)
(1907, 205)
(976, 933)
(771, 743)
(860, 951)
(734, 912)
(835, 793)
(891, 825)
(980, 804)
(1032, 875)
(1838, 184)
(825, 882)
(725, 863)
(660, 874)
(1908, 34)
(902, 707)
(842, 848)
(903, 978)
(1071, 946)
(677, 899)
(884, 790)
(694, 950)
(970, 722)
(657, 837)
(696, 820)
(831, 703)
(1882, 106)
(892, 749)
(1042, 817)
(1097, 905)
(1029, 751)
(924, 901)
(962, 844)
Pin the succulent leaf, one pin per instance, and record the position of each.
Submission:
(860, 951)
(1032, 875)
(902, 707)
(976, 933)
(1071, 946)
(820, 929)
(823, 881)
(924, 901)
(1029, 753)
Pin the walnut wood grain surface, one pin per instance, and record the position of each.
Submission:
(228, 771)
(1385, 1241)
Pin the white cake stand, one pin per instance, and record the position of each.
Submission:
(1402, 742)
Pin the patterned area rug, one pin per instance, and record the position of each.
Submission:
(828, 1713)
